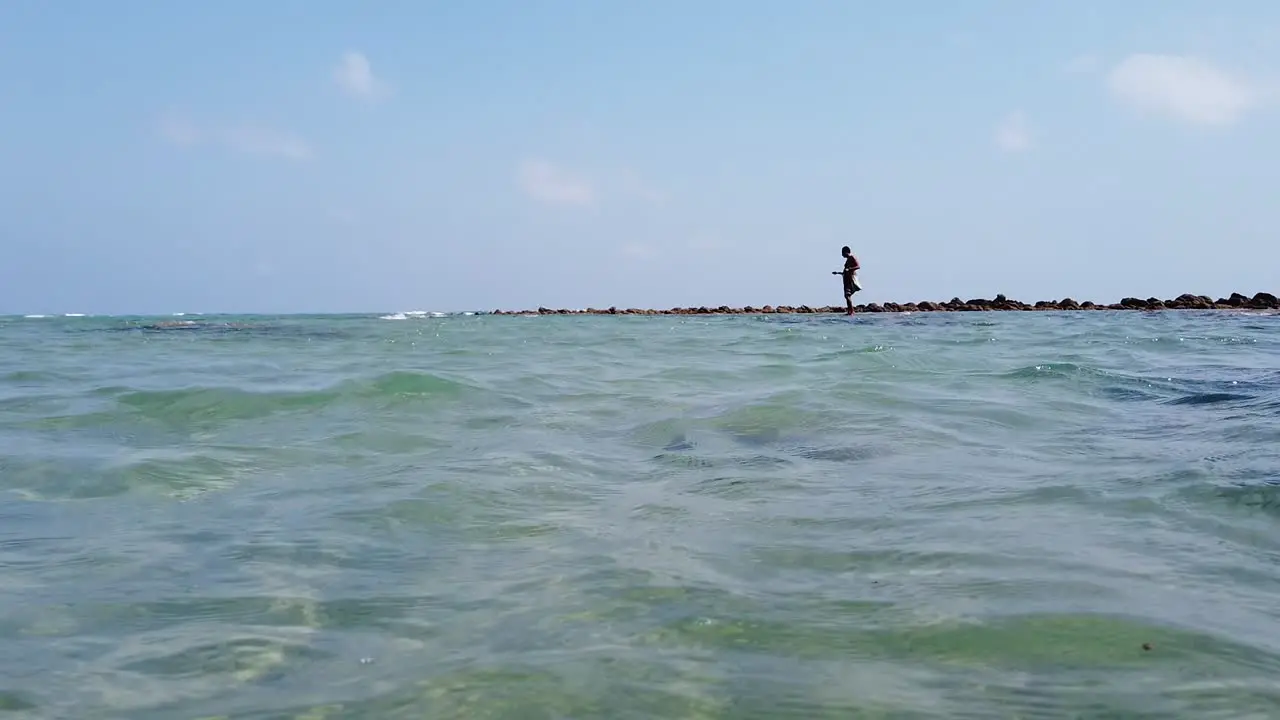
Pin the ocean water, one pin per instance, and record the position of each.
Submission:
(935, 515)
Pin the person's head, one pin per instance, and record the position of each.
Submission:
(844, 251)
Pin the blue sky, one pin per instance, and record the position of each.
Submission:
(315, 156)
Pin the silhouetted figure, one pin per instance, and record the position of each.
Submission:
(850, 276)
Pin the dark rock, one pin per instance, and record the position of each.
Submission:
(1185, 301)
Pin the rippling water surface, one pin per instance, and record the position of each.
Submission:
(919, 516)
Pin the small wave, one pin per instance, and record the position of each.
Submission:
(1262, 496)
(1055, 370)
(28, 376)
(213, 406)
(35, 317)
(1210, 398)
(74, 315)
(1166, 389)
(413, 314)
(405, 383)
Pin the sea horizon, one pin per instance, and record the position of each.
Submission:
(1234, 301)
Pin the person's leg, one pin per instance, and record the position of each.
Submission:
(848, 294)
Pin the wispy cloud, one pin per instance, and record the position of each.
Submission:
(1182, 87)
(1012, 134)
(355, 76)
(632, 184)
(265, 141)
(341, 216)
(707, 241)
(638, 251)
(548, 183)
(1083, 64)
(177, 129)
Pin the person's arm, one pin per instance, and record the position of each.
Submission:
(847, 268)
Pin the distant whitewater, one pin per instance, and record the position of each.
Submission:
(419, 314)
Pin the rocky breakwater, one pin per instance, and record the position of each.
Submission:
(1259, 301)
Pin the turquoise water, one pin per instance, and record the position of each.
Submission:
(977, 515)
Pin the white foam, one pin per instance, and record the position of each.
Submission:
(415, 314)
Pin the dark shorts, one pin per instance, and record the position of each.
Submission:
(849, 287)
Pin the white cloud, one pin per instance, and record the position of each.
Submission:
(1182, 87)
(1012, 134)
(178, 130)
(545, 182)
(707, 241)
(1083, 64)
(632, 184)
(342, 217)
(264, 141)
(637, 251)
(355, 76)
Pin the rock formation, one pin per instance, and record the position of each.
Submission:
(1259, 301)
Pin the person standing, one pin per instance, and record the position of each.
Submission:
(850, 276)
